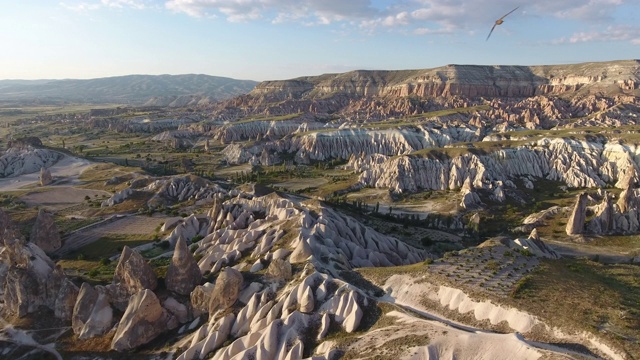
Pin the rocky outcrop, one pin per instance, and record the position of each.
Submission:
(384, 94)
(183, 274)
(269, 327)
(326, 234)
(45, 234)
(327, 144)
(26, 160)
(575, 225)
(45, 177)
(280, 269)
(626, 200)
(131, 276)
(181, 188)
(186, 229)
(470, 199)
(226, 290)
(576, 163)
(118, 197)
(535, 246)
(29, 279)
(92, 313)
(143, 320)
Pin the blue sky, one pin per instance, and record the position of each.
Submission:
(281, 39)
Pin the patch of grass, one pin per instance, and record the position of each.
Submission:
(110, 244)
(585, 295)
(268, 118)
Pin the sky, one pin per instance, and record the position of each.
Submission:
(282, 39)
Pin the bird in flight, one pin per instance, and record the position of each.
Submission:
(500, 21)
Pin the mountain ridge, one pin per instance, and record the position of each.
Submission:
(133, 89)
(433, 81)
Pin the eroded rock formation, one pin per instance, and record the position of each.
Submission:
(183, 274)
(143, 320)
(45, 234)
(131, 276)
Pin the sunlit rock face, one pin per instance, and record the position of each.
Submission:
(45, 233)
(576, 163)
(29, 279)
(26, 160)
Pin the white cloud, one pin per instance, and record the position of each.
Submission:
(452, 15)
(80, 7)
(611, 33)
(136, 4)
(314, 11)
(114, 4)
(419, 17)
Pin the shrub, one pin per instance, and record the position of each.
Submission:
(165, 244)
(104, 261)
(426, 241)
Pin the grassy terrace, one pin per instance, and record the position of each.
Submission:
(267, 118)
(411, 120)
(584, 295)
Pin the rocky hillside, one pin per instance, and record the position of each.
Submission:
(157, 90)
(273, 277)
(393, 93)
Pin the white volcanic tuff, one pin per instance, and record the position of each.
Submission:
(143, 320)
(182, 188)
(612, 218)
(329, 235)
(342, 143)
(132, 275)
(92, 313)
(575, 225)
(44, 233)
(27, 160)
(410, 174)
(29, 279)
(269, 327)
(576, 163)
(118, 197)
(45, 177)
(174, 188)
(186, 229)
(175, 134)
(270, 130)
(183, 274)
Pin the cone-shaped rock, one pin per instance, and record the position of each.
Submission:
(45, 233)
(100, 320)
(226, 290)
(575, 225)
(143, 321)
(627, 197)
(45, 176)
(132, 274)
(183, 274)
(7, 230)
(84, 305)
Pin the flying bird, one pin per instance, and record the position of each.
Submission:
(500, 21)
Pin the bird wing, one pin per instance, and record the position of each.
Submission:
(509, 13)
(490, 32)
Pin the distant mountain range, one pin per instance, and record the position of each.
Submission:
(130, 89)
